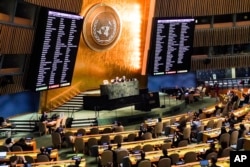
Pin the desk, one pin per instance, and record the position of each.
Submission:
(223, 162)
(53, 155)
(61, 163)
(154, 156)
(241, 111)
(156, 143)
(111, 135)
(101, 128)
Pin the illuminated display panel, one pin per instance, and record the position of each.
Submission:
(55, 48)
(171, 45)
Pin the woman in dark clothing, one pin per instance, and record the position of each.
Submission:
(241, 130)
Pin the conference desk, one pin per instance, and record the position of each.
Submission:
(240, 112)
(111, 135)
(87, 129)
(154, 156)
(214, 133)
(222, 162)
(31, 143)
(209, 110)
(61, 163)
(53, 155)
(156, 143)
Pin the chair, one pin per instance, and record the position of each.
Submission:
(182, 143)
(147, 147)
(164, 162)
(172, 120)
(42, 128)
(226, 152)
(81, 131)
(144, 163)
(246, 145)
(17, 148)
(104, 139)
(225, 137)
(56, 139)
(91, 142)
(106, 157)
(166, 145)
(136, 148)
(94, 151)
(234, 137)
(218, 124)
(94, 131)
(210, 155)
(182, 119)
(120, 155)
(118, 139)
(190, 157)
(42, 158)
(158, 129)
(29, 159)
(147, 135)
(79, 145)
(131, 137)
(68, 138)
(175, 158)
(210, 124)
(119, 129)
(187, 133)
(4, 148)
(190, 98)
(202, 116)
(107, 130)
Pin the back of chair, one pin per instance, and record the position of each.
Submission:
(218, 124)
(210, 124)
(174, 157)
(81, 131)
(158, 128)
(106, 157)
(183, 143)
(79, 145)
(234, 137)
(42, 128)
(246, 145)
(148, 147)
(29, 159)
(126, 162)
(107, 130)
(225, 137)
(164, 162)
(166, 145)
(144, 163)
(119, 129)
(17, 148)
(42, 158)
(226, 152)
(56, 139)
(190, 157)
(187, 133)
(4, 148)
(147, 135)
(120, 155)
(131, 137)
(105, 139)
(118, 138)
(94, 131)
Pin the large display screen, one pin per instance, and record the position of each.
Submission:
(55, 48)
(171, 45)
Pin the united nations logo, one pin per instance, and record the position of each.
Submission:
(102, 27)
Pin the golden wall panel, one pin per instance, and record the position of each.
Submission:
(125, 58)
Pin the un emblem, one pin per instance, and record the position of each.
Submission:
(102, 27)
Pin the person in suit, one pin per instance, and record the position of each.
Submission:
(223, 131)
(143, 155)
(165, 154)
(241, 130)
(208, 151)
(44, 117)
(213, 162)
(232, 128)
(25, 147)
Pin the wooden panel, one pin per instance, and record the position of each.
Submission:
(66, 5)
(173, 8)
(240, 60)
(10, 37)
